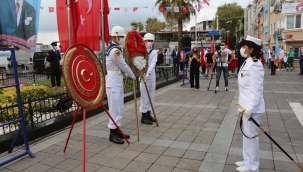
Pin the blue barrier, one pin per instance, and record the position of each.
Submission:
(21, 118)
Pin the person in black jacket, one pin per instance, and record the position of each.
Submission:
(53, 56)
(194, 68)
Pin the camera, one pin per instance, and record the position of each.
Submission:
(217, 47)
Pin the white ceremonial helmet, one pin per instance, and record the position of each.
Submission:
(117, 31)
(149, 36)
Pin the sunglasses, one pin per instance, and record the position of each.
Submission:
(149, 41)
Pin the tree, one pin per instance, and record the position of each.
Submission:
(154, 25)
(180, 17)
(229, 16)
(137, 25)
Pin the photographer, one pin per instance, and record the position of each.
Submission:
(221, 57)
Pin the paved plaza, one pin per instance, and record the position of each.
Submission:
(198, 131)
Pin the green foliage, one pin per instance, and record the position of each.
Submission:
(229, 16)
(242, 27)
(154, 25)
(137, 25)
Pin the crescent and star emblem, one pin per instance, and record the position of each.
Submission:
(82, 75)
(89, 5)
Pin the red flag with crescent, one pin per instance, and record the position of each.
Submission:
(85, 16)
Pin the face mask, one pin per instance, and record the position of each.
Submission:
(121, 41)
(242, 52)
(149, 44)
(222, 47)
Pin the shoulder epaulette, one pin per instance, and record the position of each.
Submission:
(255, 59)
(118, 52)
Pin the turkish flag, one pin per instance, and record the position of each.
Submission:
(227, 42)
(202, 56)
(105, 18)
(51, 9)
(62, 23)
(162, 9)
(212, 48)
(116, 8)
(205, 2)
(135, 9)
(85, 16)
(184, 9)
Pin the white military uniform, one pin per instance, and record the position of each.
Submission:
(114, 85)
(250, 82)
(150, 82)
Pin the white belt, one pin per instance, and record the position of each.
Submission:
(114, 72)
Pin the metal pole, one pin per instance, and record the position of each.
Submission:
(196, 30)
(217, 23)
(69, 24)
(102, 34)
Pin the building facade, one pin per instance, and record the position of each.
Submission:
(203, 25)
(287, 27)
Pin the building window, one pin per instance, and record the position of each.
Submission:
(271, 29)
(281, 23)
(293, 22)
(266, 17)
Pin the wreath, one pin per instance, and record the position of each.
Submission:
(135, 53)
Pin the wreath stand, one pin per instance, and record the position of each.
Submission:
(21, 119)
(85, 74)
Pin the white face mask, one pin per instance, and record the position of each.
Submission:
(149, 44)
(242, 52)
(222, 47)
(121, 41)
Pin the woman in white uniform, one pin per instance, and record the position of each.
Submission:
(250, 81)
(115, 65)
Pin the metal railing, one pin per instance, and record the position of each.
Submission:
(46, 108)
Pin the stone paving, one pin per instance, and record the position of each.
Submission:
(198, 131)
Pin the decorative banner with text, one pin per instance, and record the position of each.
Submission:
(292, 7)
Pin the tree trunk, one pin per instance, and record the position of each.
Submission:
(180, 34)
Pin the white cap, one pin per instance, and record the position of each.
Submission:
(254, 40)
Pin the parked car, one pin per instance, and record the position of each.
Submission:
(39, 58)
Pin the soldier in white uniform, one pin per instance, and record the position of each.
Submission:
(150, 78)
(250, 81)
(115, 65)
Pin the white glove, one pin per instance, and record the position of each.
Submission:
(247, 113)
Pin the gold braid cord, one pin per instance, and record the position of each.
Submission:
(71, 89)
(130, 60)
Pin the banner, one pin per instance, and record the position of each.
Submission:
(292, 7)
(85, 17)
(162, 9)
(19, 23)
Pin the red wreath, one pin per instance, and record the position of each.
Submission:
(133, 38)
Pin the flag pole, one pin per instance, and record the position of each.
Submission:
(102, 35)
(196, 30)
(196, 25)
(69, 23)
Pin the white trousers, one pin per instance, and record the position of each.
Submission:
(251, 150)
(115, 98)
(151, 86)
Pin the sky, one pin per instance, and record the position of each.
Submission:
(48, 21)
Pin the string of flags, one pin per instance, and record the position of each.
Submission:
(162, 9)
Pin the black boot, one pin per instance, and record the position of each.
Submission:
(121, 137)
(145, 119)
(114, 137)
(150, 117)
